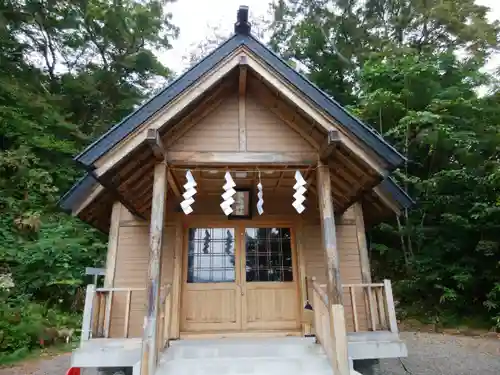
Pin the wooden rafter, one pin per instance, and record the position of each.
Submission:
(173, 184)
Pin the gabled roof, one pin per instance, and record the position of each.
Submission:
(242, 38)
(363, 132)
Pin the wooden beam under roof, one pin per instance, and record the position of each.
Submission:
(235, 158)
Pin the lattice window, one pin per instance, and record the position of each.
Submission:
(211, 255)
(268, 254)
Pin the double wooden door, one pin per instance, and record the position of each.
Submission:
(239, 278)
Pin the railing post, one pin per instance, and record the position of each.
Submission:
(391, 310)
(87, 313)
(340, 339)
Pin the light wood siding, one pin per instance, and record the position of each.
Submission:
(131, 272)
(216, 132)
(219, 131)
(133, 253)
(132, 268)
(350, 268)
(266, 132)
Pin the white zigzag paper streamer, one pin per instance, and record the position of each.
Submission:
(260, 202)
(300, 189)
(227, 196)
(188, 195)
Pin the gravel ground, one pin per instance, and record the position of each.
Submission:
(57, 365)
(438, 354)
(430, 354)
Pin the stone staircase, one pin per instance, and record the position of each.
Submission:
(259, 356)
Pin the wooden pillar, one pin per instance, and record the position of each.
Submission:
(114, 228)
(364, 260)
(149, 350)
(329, 237)
(338, 335)
(366, 276)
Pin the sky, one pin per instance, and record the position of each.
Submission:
(196, 19)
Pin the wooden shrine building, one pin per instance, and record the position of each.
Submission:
(240, 112)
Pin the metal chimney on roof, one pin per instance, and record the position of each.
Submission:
(242, 26)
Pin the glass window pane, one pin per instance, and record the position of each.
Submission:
(211, 255)
(268, 254)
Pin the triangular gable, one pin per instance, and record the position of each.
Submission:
(365, 134)
(219, 131)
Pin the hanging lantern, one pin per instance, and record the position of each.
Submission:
(300, 189)
(188, 195)
(227, 196)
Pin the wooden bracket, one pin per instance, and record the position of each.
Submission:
(153, 139)
(331, 143)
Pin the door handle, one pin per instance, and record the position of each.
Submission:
(241, 289)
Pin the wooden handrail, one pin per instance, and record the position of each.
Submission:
(98, 311)
(104, 290)
(318, 289)
(163, 323)
(379, 304)
(329, 325)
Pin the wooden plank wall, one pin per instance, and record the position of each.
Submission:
(350, 266)
(219, 131)
(132, 268)
(266, 132)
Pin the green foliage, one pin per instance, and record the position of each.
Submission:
(68, 71)
(23, 324)
(413, 70)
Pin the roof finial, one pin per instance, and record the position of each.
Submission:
(242, 26)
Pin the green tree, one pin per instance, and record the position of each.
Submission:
(412, 69)
(68, 71)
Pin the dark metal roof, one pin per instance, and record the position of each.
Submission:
(78, 193)
(113, 136)
(119, 131)
(392, 189)
(364, 132)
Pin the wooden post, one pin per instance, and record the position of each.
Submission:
(337, 322)
(364, 259)
(334, 286)
(174, 329)
(329, 237)
(149, 353)
(114, 227)
(87, 313)
(391, 310)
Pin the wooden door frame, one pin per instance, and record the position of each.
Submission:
(212, 221)
(270, 285)
(185, 243)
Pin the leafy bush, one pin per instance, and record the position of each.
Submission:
(23, 323)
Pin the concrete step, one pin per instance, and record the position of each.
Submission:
(244, 348)
(262, 356)
(257, 366)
